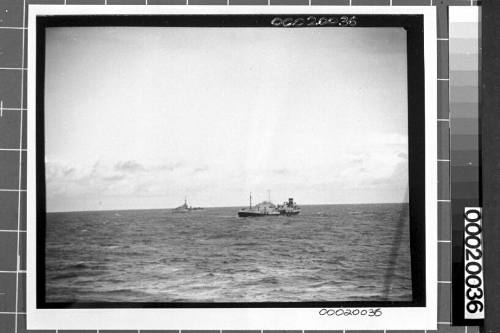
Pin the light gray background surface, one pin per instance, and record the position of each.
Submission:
(13, 39)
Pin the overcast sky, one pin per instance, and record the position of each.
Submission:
(141, 117)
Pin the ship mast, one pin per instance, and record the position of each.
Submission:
(250, 200)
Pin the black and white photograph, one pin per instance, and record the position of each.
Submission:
(266, 166)
(218, 165)
(244, 162)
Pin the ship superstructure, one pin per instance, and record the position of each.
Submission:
(185, 208)
(289, 208)
(267, 208)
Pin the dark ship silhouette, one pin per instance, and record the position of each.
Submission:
(184, 208)
(289, 208)
(267, 208)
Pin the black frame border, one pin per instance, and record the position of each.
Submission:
(413, 24)
(489, 116)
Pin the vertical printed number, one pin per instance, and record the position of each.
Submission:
(473, 264)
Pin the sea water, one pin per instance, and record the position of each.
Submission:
(326, 253)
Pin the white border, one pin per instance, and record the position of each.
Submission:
(423, 318)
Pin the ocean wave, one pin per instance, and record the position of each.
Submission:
(269, 280)
(327, 252)
(247, 244)
(87, 265)
(62, 276)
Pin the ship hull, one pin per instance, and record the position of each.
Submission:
(255, 214)
(290, 213)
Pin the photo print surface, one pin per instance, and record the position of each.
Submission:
(187, 165)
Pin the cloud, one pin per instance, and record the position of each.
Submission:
(168, 166)
(282, 171)
(122, 178)
(357, 161)
(403, 155)
(114, 177)
(380, 173)
(132, 167)
(201, 169)
(129, 166)
(58, 170)
(396, 177)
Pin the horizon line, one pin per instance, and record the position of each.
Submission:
(134, 209)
